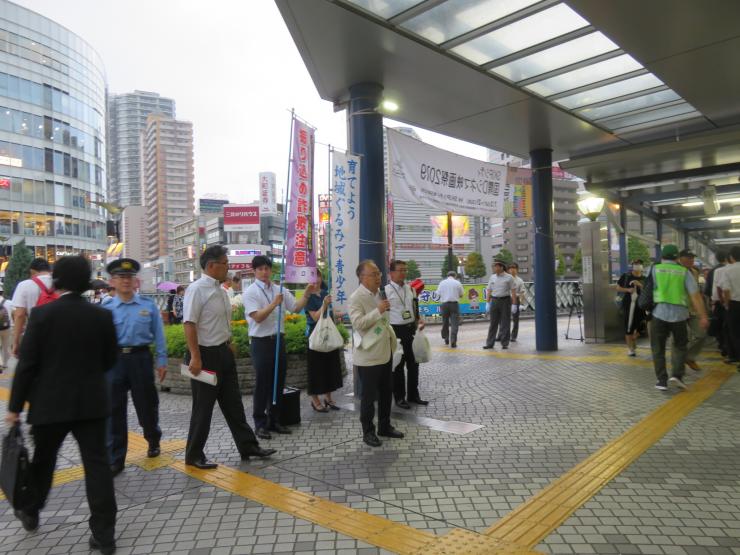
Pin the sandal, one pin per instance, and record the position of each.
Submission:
(320, 409)
(331, 405)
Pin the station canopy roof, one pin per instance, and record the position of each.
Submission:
(640, 99)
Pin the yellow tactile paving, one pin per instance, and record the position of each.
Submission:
(536, 518)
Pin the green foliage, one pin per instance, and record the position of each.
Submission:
(175, 338)
(505, 255)
(446, 265)
(560, 269)
(637, 249)
(578, 262)
(276, 269)
(17, 269)
(413, 270)
(474, 266)
(237, 312)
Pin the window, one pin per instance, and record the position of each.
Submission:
(522, 224)
(522, 247)
(522, 258)
(521, 235)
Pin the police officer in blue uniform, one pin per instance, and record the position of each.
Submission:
(138, 325)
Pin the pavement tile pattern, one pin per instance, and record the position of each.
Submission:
(541, 416)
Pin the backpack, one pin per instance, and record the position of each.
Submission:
(47, 295)
(645, 300)
(4, 316)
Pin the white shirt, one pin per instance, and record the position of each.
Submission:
(258, 296)
(207, 305)
(717, 283)
(518, 287)
(27, 293)
(450, 290)
(401, 298)
(9, 307)
(731, 280)
(501, 285)
(229, 292)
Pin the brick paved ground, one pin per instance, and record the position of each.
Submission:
(541, 415)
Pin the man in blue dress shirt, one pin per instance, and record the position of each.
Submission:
(138, 325)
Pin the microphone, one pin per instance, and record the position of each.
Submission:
(381, 293)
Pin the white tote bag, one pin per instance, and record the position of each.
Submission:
(325, 337)
(422, 348)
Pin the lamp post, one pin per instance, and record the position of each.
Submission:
(590, 206)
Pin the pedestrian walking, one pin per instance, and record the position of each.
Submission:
(138, 326)
(26, 297)
(631, 283)
(324, 369)
(177, 304)
(68, 348)
(717, 325)
(450, 292)
(207, 323)
(373, 347)
(730, 284)
(404, 319)
(501, 296)
(6, 322)
(674, 288)
(261, 299)
(697, 335)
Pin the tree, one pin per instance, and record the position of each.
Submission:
(505, 256)
(636, 249)
(18, 267)
(413, 271)
(474, 266)
(276, 269)
(578, 262)
(560, 268)
(446, 265)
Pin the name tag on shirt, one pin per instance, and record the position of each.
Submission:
(406, 315)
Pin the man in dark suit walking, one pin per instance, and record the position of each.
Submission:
(68, 347)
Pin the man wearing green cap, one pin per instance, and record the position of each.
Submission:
(674, 287)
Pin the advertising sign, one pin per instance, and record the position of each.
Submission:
(460, 230)
(239, 217)
(448, 182)
(268, 202)
(4, 183)
(472, 302)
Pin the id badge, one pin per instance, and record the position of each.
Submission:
(406, 315)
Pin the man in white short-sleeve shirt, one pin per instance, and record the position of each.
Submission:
(730, 284)
(261, 299)
(450, 291)
(26, 296)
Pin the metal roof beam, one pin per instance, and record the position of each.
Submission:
(670, 178)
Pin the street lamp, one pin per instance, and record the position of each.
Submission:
(590, 206)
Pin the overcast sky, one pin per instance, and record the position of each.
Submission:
(233, 70)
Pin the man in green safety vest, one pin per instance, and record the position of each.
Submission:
(674, 288)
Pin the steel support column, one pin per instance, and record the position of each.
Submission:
(659, 238)
(546, 326)
(366, 140)
(623, 254)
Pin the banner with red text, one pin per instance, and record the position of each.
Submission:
(300, 256)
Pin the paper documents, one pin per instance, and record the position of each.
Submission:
(205, 376)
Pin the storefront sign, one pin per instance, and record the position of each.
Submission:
(241, 218)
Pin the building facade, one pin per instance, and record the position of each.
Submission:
(133, 232)
(189, 234)
(52, 137)
(126, 121)
(168, 186)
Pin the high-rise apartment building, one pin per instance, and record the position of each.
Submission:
(127, 116)
(52, 138)
(167, 179)
(133, 232)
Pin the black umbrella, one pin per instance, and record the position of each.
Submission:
(98, 284)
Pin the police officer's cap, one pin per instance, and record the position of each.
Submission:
(123, 267)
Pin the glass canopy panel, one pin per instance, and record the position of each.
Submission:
(693, 114)
(585, 75)
(613, 90)
(562, 55)
(650, 115)
(645, 101)
(456, 17)
(540, 27)
(385, 8)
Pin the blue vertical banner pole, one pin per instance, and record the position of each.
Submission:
(623, 253)
(328, 228)
(545, 315)
(659, 238)
(286, 202)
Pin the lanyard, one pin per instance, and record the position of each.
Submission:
(269, 300)
(402, 299)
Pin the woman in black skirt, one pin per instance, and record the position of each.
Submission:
(324, 369)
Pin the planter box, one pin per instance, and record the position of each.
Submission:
(296, 375)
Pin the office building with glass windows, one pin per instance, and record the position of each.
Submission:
(52, 137)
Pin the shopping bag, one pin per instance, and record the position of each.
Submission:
(15, 472)
(397, 353)
(422, 348)
(325, 337)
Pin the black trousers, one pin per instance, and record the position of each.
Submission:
(659, 332)
(450, 321)
(733, 328)
(515, 322)
(218, 359)
(134, 372)
(406, 333)
(267, 415)
(91, 439)
(376, 386)
(500, 312)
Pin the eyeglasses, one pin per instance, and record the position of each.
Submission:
(371, 274)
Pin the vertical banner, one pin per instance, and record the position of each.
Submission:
(345, 227)
(268, 202)
(391, 227)
(300, 257)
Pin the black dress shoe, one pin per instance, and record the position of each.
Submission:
(447, 342)
(391, 432)
(419, 401)
(403, 404)
(504, 346)
(105, 549)
(203, 464)
(488, 346)
(372, 440)
(453, 346)
(30, 521)
(116, 468)
(280, 429)
(257, 451)
(262, 433)
(153, 451)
